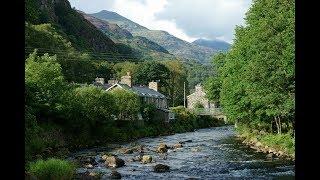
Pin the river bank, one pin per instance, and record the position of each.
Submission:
(274, 145)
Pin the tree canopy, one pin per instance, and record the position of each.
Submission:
(257, 76)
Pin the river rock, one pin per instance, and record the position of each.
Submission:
(115, 162)
(270, 156)
(280, 153)
(187, 141)
(162, 148)
(178, 145)
(146, 159)
(115, 175)
(137, 158)
(258, 144)
(104, 157)
(128, 151)
(89, 166)
(139, 148)
(159, 168)
(88, 176)
(196, 149)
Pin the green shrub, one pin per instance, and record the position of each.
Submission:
(52, 169)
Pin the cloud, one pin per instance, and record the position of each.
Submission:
(185, 19)
(143, 12)
(206, 18)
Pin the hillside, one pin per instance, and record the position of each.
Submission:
(144, 47)
(174, 45)
(214, 44)
(72, 26)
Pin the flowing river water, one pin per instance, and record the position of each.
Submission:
(212, 153)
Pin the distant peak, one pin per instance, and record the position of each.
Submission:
(106, 11)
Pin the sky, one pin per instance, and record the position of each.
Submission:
(186, 19)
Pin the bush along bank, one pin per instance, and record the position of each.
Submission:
(280, 145)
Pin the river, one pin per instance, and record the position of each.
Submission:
(212, 153)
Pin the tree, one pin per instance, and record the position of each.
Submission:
(153, 71)
(178, 76)
(87, 106)
(258, 75)
(44, 83)
(213, 84)
(122, 68)
(127, 104)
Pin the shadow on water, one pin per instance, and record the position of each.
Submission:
(212, 153)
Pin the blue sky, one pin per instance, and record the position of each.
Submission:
(185, 19)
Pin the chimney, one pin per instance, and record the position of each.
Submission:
(198, 88)
(100, 80)
(153, 85)
(126, 80)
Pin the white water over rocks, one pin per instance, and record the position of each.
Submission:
(212, 153)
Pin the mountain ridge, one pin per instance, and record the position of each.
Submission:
(174, 45)
(143, 46)
(215, 44)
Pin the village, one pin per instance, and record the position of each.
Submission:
(196, 102)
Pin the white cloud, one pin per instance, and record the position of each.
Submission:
(207, 18)
(143, 13)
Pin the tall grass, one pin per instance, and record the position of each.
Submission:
(52, 169)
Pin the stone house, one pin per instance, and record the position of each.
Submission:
(147, 94)
(199, 97)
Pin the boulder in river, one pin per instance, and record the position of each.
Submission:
(115, 175)
(162, 148)
(178, 145)
(115, 162)
(159, 168)
(146, 159)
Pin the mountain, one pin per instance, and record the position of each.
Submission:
(214, 44)
(144, 47)
(174, 45)
(115, 18)
(72, 26)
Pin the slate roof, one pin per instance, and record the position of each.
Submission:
(146, 91)
(104, 86)
(143, 91)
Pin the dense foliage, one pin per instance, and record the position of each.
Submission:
(257, 78)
